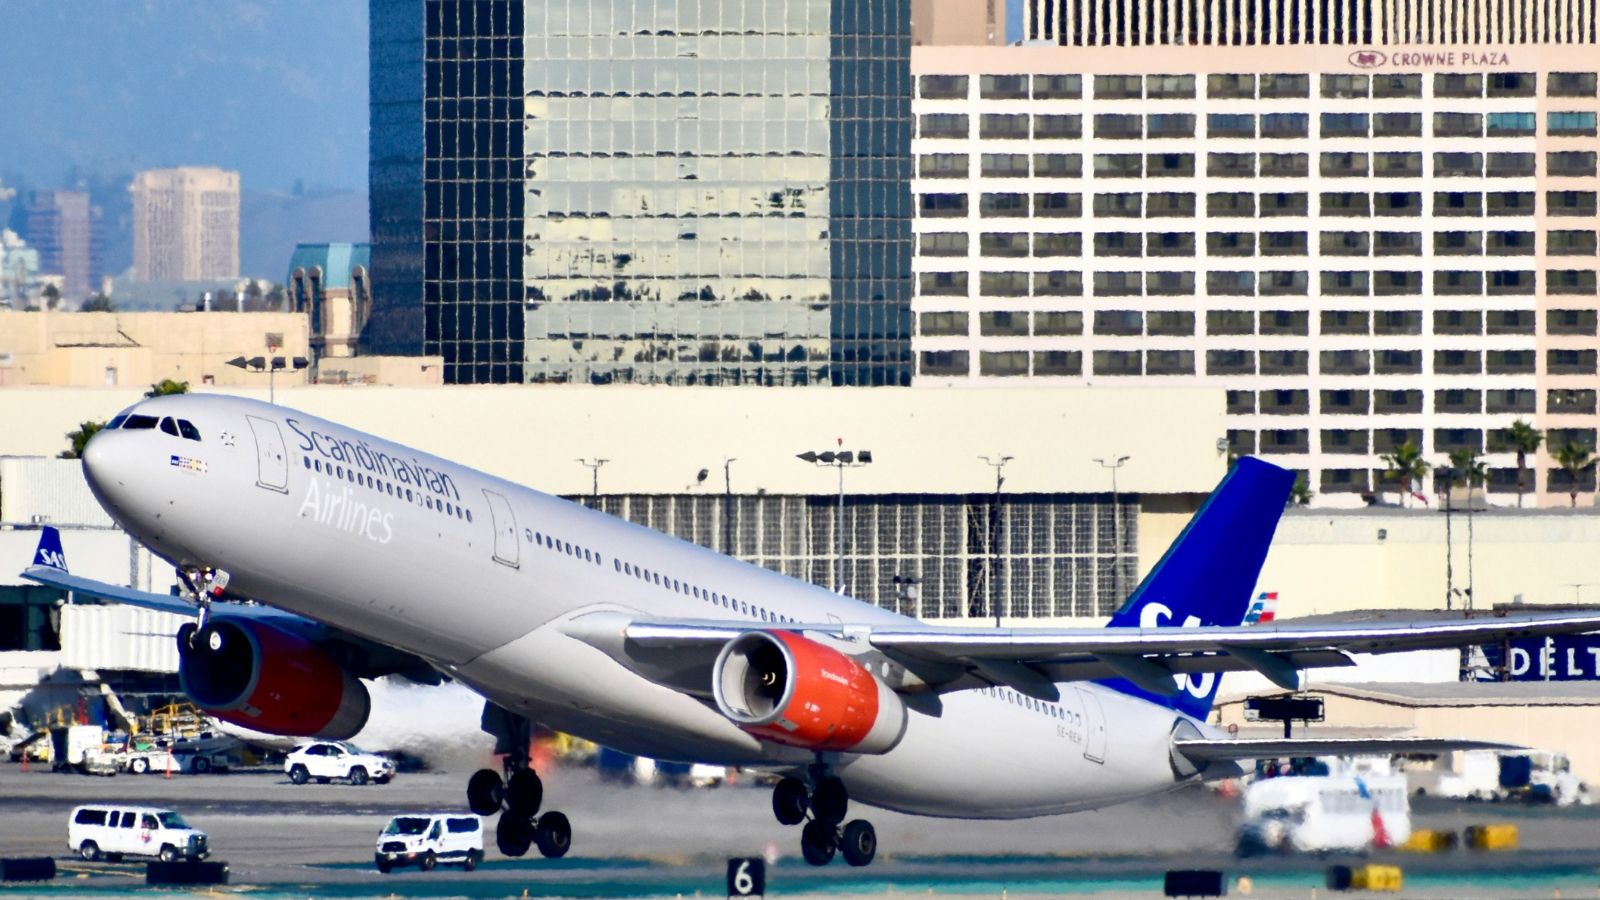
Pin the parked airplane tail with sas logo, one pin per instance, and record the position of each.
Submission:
(1208, 575)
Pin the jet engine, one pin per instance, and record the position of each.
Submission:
(262, 677)
(789, 689)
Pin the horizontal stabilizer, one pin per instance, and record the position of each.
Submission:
(1202, 751)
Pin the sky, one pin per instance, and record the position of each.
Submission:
(276, 89)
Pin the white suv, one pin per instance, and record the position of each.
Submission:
(110, 831)
(325, 760)
(429, 839)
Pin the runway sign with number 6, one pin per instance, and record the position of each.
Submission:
(747, 876)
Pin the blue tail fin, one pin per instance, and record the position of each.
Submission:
(1209, 573)
(49, 552)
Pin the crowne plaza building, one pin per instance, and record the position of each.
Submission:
(1370, 222)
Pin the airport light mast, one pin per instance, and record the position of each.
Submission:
(841, 460)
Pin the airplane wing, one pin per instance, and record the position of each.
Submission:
(1031, 659)
(1200, 750)
(365, 658)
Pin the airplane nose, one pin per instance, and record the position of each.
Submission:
(101, 465)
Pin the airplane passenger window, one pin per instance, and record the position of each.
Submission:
(469, 515)
(139, 422)
(587, 557)
(169, 426)
(187, 430)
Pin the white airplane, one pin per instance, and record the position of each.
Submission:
(370, 558)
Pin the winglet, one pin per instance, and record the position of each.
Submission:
(49, 553)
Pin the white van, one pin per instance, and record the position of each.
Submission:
(1324, 813)
(111, 831)
(428, 839)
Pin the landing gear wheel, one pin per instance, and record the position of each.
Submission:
(485, 792)
(789, 801)
(524, 792)
(298, 774)
(830, 800)
(553, 834)
(818, 843)
(859, 843)
(428, 862)
(513, 835)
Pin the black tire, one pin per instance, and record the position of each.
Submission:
(89, 850)
(358, 775)
(830, 801)
(200, 766)
(859, 844)
(790, 799)
(524, 792)
(514, 835)
(553, 835)
(473, 858)
(485, 792)
(428, 861)
(818, 843)
(298, 774)
(168, 853)
(138, 765)
(383, 864)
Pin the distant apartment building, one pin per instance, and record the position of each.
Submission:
(63, 227)
(185, 224)
(954, 22)
(1371, 223)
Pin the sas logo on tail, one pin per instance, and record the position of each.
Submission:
(1263, 609)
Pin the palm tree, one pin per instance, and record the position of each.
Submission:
(1575, 459)
(1524, 439)
(1407, 467)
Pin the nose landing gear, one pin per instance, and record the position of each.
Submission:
(823, 836)
(520, 825)
(203, 584)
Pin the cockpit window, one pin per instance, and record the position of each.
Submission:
(169, 426)
(187, 430)
(117, 422)
(137, 421)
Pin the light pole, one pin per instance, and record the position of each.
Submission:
(593, 465)
(999, 465)
(727, 504)
(271, 366)
(841, 460)
(1116, 518)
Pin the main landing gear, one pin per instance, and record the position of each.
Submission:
(521, 825)
(823, 835)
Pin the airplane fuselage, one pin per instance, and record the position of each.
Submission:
(478, 575)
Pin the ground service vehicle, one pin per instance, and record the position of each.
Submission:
(326, 760)
(1324, 814)
(430, 839)
(111, 831)
(388, 560)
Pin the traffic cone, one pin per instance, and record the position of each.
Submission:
(169, 766)
(25, 755)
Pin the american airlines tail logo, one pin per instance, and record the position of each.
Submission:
(1159, 615)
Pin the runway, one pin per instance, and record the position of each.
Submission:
(281, 840)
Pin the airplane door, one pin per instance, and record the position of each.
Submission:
(505, 529)
(272, 462)
(1094, 726)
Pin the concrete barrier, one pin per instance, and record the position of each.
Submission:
(1195, 883)
(186, 873)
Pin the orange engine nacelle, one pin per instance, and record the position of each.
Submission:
(792, 690)
(257, 676)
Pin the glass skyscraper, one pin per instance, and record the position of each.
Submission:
(689, 192)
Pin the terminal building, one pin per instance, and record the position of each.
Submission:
(1368, 222)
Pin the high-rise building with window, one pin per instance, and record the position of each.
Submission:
(1366, 240)
(62, 226)
(185, 224)
(688, 193)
